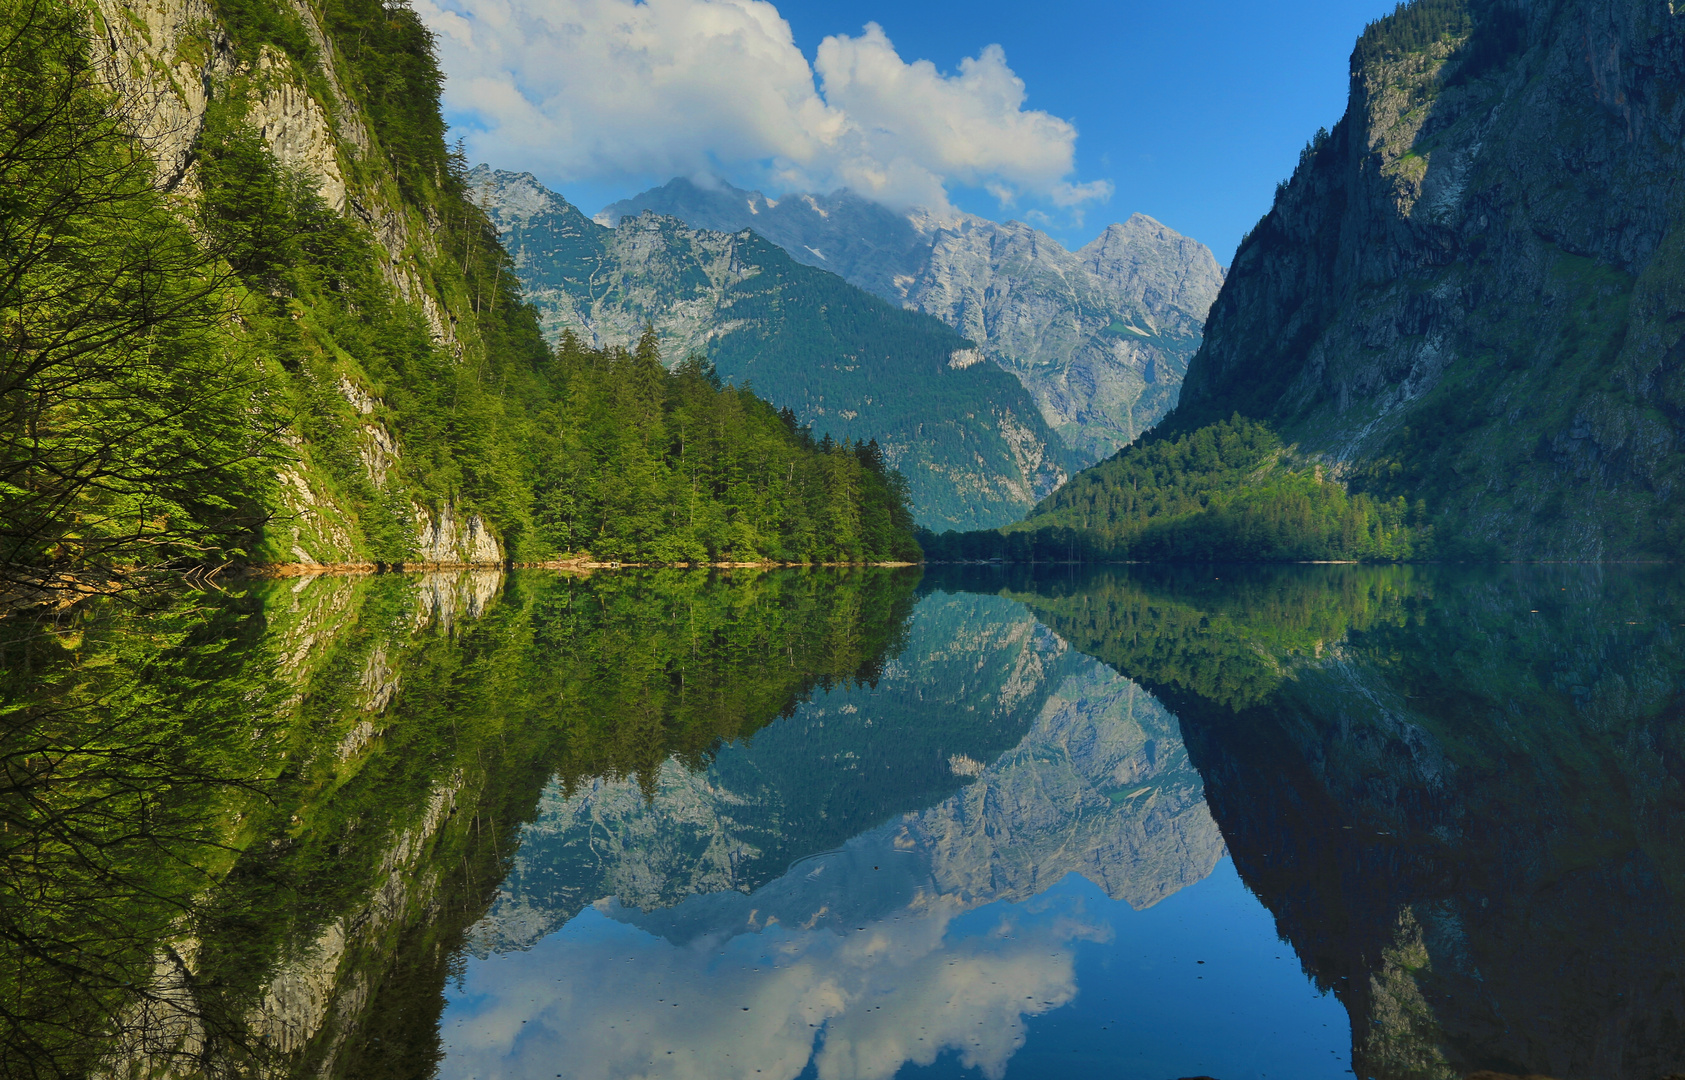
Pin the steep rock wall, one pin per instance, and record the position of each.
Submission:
(1473, 289)
(167, 60)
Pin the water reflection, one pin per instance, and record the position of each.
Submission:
(924, 939)
(1459, 791)
(244, 831)
(846, 825)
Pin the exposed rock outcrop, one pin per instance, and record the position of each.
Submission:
(441, 538)
(1471, 291)
(1100, 337)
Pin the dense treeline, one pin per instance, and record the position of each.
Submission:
(163, 356)
(640, 463)
(1219, 493)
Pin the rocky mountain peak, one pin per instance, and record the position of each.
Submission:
(516, 197)
(1099, 337)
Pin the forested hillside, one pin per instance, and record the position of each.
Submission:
(251, 312)
(1223, 493)
(969, 438)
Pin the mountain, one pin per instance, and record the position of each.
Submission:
(260, 320)
(1471, 291)
(969, 439)
(1101, 336)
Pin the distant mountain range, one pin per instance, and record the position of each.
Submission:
(968, 436)
(1101, 337)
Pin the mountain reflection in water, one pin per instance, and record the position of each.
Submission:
(848, 824)
(937, 935)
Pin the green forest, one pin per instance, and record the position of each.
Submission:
(171, 361)
(1217, 494)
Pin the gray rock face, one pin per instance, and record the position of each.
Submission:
(1472, 287)
(1100, 337)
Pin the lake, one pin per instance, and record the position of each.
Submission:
(1137, 822)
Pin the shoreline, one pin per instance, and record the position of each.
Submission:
(291, 570)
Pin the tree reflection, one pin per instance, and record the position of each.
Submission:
(1461, 792)
(231, 821)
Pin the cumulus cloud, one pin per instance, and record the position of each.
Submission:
(602, 1000)
(603, 89)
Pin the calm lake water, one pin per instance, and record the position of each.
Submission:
(1391, 822)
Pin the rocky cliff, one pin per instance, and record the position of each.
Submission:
(1101, 336)
(1472, 289)
(189, 74)
(970, 440)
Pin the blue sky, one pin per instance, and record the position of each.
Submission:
(1189, 112)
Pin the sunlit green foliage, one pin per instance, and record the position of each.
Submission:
(157, 351)
(1216, 494)
(133, 426)
(644, 464)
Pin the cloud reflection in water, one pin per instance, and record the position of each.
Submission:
(925, 936)
(602, 999)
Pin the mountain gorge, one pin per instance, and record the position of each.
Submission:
(968, 437)
(1100, 337)
(1472, 289)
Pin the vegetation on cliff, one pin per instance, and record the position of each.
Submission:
(133, 424)
(1217, 494)
(165, 354)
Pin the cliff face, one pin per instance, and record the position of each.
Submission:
(1100, 337)
(170, 63)
(1473, 289)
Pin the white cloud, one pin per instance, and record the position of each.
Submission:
(593, 90)
(600, 1000)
